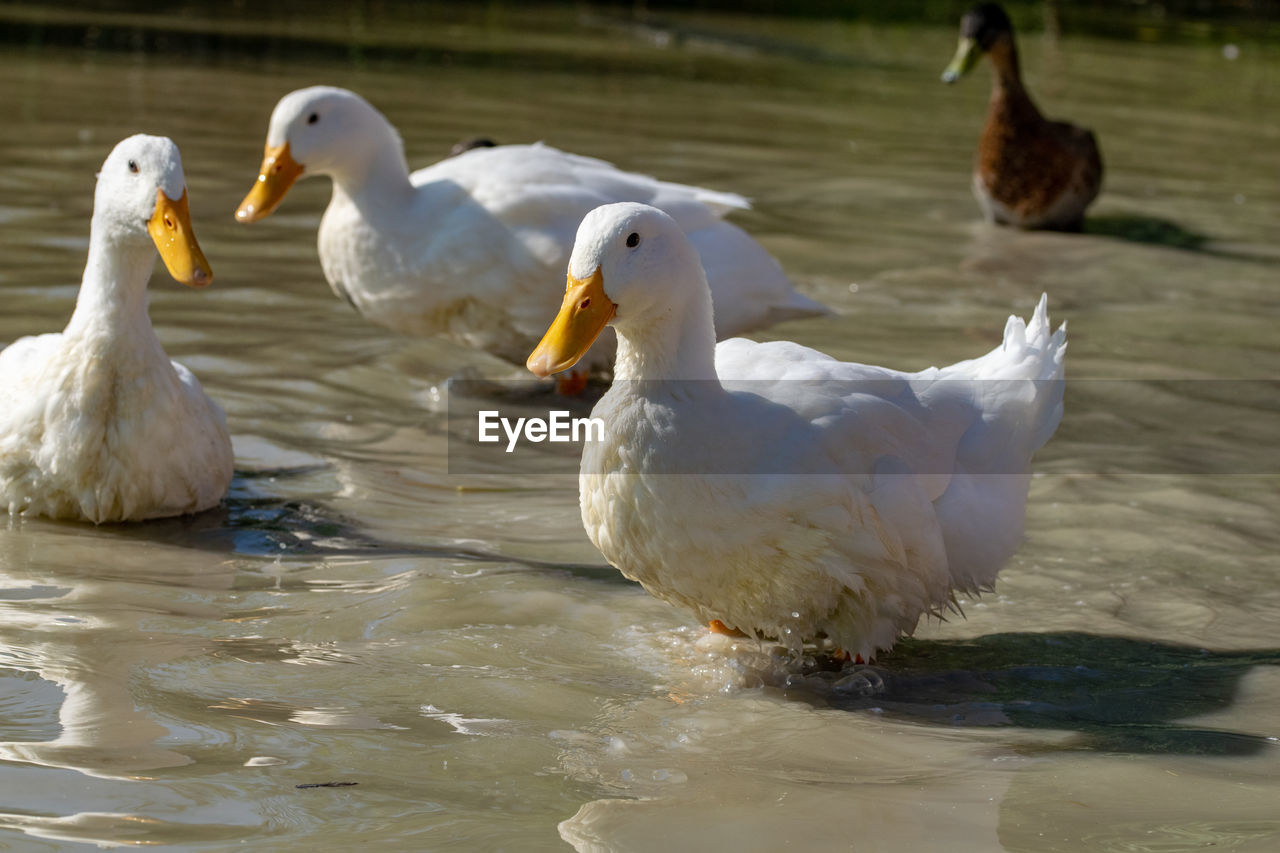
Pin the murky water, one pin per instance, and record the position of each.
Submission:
(457, 648)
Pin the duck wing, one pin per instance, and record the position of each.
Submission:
(20, 363)
(539, 194)
(943, 455)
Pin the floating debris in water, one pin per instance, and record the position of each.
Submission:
(326, 785)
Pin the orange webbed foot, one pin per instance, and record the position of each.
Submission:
(842, 655)
(718, 627)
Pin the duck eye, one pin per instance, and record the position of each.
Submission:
(633, 240)
(133, 166)
(313, 118)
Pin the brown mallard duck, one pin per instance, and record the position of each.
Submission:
(1030, 172)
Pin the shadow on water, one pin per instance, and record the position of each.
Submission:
(1156, 231)
(1120, 694)
(1145, 229)
(250, 523)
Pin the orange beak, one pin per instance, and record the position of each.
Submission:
(170, 229)
(279, 171)
(583, 316)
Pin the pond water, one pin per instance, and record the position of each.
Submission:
(456, 647)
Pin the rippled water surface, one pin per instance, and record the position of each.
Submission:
(457, 648)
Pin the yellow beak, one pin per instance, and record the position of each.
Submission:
(170, 228)
(583, 316)
(967, 55)
(279, 171)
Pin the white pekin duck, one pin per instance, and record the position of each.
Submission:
(473, 246)
(774, 490)
(96, 423)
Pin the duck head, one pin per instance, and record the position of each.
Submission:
(980, 29)
(142, 194)
(631, 266)
(320, 130)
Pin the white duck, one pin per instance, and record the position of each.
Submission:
(96, 423)
(472, 246)
(773, 488)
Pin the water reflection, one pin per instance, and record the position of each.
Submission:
(113, 829)
(66, 631)
(950, 805)
(993, 710)
(256, 522)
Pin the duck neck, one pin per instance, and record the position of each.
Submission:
(1009, 99)
(377, 181)
(1003, 54)
(676, 345)
(113, 293)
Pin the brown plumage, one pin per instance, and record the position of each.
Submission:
(1030, 172)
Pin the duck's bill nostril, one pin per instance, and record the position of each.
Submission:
(170, 229)
(278, 172)
(584, 313)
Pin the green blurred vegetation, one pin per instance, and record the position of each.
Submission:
(400, 29)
